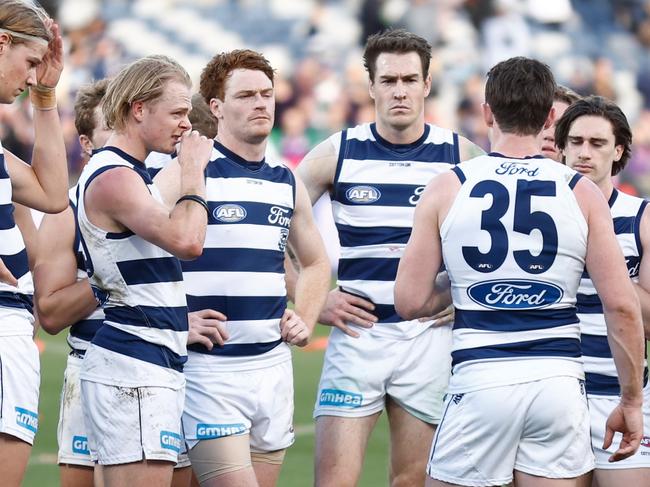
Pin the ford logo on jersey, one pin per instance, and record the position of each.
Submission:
(515, 294)
(229, 213)
(362, 195)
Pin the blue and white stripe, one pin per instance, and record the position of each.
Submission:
(513, 324)
(241, 270)
(12, 247)
(83, 331)
(600, 370)
(376, 188)
(146, 313)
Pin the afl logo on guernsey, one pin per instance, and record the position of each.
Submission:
(515, 294)
(362, 194)
(229, 213)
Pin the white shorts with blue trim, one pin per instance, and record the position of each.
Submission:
(600, 407)
(71, 432)
(358, 374)
(19, 384)
(258, 402)
(130, 424)
(540, 428)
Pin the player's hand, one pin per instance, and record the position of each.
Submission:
(294, 331)
(194, 149)
(445, 317)
(628, 421)
(49, 70)
(6, 276)
(207, 327)
(342, 309)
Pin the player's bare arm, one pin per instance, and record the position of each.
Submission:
(118, 200)
(60, 298)
(607, 269)
(643, 286)
(313, 279)
(468, 150)
(168, 183)
(25, 222)
(317, 171)
(43, 185)
(416, 293)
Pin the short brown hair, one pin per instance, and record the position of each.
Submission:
(24, 18)
(398, 41)
(142, 80)
(88, 99)
(202, 118)
(597, 106)
(520, 92)
(217, 71)
(564, 94)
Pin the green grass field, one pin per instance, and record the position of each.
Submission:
(298, 466)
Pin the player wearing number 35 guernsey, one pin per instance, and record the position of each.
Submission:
(515, 231)
(595, 138)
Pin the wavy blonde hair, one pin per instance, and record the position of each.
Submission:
(24, 18)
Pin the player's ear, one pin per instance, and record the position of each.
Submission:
(86, 145)
(216, 107)
(488, 116)
(550, 119)
(137, 110)
(427, 85)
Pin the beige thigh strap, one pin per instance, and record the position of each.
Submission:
(212, 458)
(271, 457)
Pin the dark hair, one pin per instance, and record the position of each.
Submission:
(202, 118)
(597, 106)
(520, 92)
(88, 99)
(395, 41)
(217, 71)
(565, 94)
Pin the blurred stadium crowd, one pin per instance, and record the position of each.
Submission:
(593, 46)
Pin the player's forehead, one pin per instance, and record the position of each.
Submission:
(32, 51)
(398, 64)
(247, 80)
(177, 95)
(591, 127)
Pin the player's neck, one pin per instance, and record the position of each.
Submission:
(607, 187)
(394, 135)
(245, 150)
(513, 145)
(133, 146)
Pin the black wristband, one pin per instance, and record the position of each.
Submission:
(197, 199)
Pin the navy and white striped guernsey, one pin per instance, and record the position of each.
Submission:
(82, 332)
(144, 337)
(514, 244)
(14, 256)
(376, 187)
(600, 370)
(241, 270)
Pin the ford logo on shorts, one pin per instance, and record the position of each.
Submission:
(515, 294)
(362, 194)
(229, 213)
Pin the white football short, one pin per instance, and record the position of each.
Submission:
(258, 402)
(540, 428)
(600, 408)
(129, 424)
(19, 383)
(358, 374)
(71, 433)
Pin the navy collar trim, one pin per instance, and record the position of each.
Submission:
(497, 154)
(250, 165)
(400, 147)
(612, 197)
(123, 155)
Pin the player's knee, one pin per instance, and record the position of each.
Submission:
(407, 477)
(219, 456)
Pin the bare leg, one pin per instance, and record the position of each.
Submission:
(14, 455)
(410, 443)
(526, 480)
(139, 474)
(241, 478)
(438, 483)
(340, 449)
(182, 477)
(267, 474)
(76, 475)
(624, 477)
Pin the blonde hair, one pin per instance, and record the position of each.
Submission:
(21, 17)
(141, 81)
